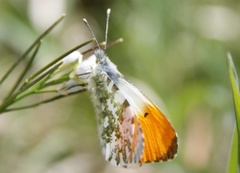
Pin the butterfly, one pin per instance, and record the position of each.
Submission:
(132, 129)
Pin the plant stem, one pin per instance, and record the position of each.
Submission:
(30, 48)
(11, 100)
(42, 102)
(55, 61)
(23, 73)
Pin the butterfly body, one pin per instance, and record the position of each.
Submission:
(132, 130)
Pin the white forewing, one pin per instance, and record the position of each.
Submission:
(135, 97)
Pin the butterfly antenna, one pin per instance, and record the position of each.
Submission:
(107, 24)
(86, 22)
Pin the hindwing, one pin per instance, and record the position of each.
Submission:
(120, 133)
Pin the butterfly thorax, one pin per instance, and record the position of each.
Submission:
(101, 57)
(104, 64)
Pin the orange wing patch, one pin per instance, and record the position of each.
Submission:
(160, 139)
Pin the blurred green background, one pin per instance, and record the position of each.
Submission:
(173, 50)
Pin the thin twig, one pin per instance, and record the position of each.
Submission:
(42, 102)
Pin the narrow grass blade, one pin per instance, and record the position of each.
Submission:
(13, 97)
(20, 78)
(30, 49)
(235, 155)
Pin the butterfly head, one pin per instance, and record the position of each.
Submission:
(100, 56)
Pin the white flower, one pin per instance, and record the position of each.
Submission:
(84, 69)
(80, 75)
(71, 59)
(68, 63)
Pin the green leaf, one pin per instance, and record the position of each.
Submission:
(233, 163)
